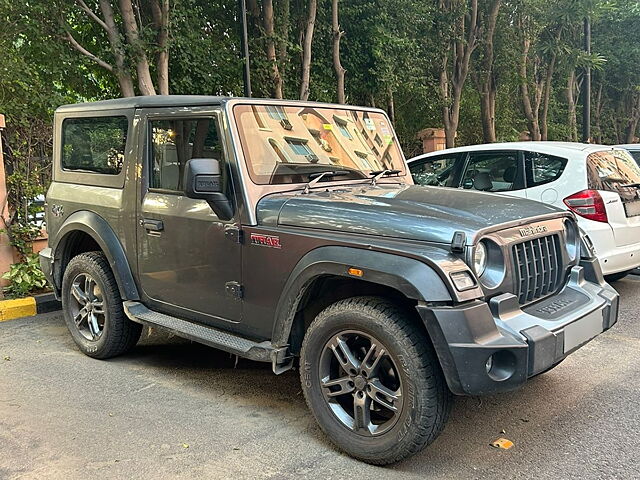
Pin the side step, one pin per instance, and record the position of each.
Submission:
(261, 352)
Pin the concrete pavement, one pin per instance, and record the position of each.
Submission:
(172, 409)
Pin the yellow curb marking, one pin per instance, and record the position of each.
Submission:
(20, 307)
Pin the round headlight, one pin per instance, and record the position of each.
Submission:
(480, 258)
(573, 239)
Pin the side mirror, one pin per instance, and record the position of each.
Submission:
(202, 180)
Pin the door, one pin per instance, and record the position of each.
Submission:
(438, 171)
(495, 172)
(187, 255)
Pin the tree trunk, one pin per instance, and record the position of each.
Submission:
(269, 27)
(283, 27)
(632, 124)
(460, 48)
(307, 41)
(572, 119)
(253, 18)
(145, 83)
(160, 12)
(598, 115)
(487, 87)
(449, 130)
(122, 73)
(337, 64)
(530, 112)
(547, 96)
(487, 116)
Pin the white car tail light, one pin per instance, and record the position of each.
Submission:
(588, 204)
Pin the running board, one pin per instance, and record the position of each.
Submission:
(260, 352)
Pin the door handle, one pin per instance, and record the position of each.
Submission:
(152, 225)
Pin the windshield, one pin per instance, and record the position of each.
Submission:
(287, 144)
(615, 171)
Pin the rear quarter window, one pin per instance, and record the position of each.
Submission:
(542, 168)
(94, 145)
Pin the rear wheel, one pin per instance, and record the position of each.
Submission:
(93, 308)
(372, 381)
(614, 277)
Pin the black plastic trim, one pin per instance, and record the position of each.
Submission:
(98, 229)
(412, 278)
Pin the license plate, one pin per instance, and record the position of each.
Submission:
(632, 209)
(583, 330)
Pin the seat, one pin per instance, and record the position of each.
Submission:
(509, 174)
(482, 181)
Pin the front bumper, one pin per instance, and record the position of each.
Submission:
(493, 347)
(46, 265)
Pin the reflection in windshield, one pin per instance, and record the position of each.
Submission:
(614, 171)
(285, 144)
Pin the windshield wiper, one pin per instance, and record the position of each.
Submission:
(632, 185)
(382, 173)
(317, 176)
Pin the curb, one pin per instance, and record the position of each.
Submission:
(28, 306)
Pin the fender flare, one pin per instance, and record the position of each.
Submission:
(99, 229)
(413, 278)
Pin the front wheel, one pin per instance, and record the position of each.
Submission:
(372, 381)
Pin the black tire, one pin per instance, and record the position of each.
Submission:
(614, 277)
(115, 333)
(425, 400)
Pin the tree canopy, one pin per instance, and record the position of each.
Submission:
(485, 71)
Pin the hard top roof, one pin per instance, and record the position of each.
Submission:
(153, 101)
(149, 101)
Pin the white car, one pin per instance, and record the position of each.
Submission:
(600, 184)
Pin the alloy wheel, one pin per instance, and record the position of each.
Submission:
(86, 304)
(361, 383)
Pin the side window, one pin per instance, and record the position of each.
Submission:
(94, 145)
(435, 171)
(174, 142)
(542, 168)
(493, 172)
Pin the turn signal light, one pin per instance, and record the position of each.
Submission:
(356, 272)
(588, 204)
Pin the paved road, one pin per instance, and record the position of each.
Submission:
(172, 409)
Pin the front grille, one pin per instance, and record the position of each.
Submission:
(538, 267)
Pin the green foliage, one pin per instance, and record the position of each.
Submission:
(390, 51)
(25, 277)
(21, 235)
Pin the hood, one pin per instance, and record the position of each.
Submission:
(403, 211)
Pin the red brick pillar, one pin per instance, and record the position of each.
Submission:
(433, 139)
(6, 250)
